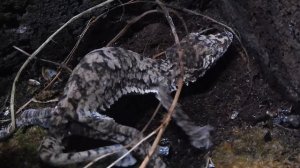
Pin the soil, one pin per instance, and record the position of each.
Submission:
(266, 82)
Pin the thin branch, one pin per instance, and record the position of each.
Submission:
(129, 23)
(67, 59)
(136, 19)
(152, 117)
(33, 99)
(179, 84)
(44, 102)
(158, 55)
(44, 60)
(181, 19)
(134, 147)
(13, 90)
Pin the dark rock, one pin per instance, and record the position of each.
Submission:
(270, 32)
(27, 24)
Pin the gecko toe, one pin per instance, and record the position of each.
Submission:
(200, 137)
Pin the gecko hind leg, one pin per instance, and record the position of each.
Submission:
(199, 136)
(51, 151)
(110, 130)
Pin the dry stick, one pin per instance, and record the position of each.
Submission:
(44, 102)
(122, 32)
(57, 75)
(123, 10)
(129, 23)
(61, 65)
(67, 59)
(128, 152)
(134, 147)
(88, 25)
(33, 99)
(158, 55)
(179, 84)
(44, 60)
(4, 102)
(181, 19)
(134, 20)
(126, 146)
(152, 117)
(13, 90)
(143, 130)
(164, 125)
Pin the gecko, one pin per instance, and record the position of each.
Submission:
(102, 77)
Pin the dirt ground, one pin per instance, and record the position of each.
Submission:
(236, 96)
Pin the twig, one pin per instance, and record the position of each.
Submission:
(139, 143)
(152, 117)
(36, 101)
(134, 147)
(179, 84)
(44, 102)
(181, 19)
(164, 124)
(106, 155)
(23, 106)
(88, 25)
(123, 10)
(170, 21)
(136, 19)
(67, 59)
(129, 23)
(158, 55)
(209, 162)
(44, 60)
(4, 102)
(13, 90)
(57, 75)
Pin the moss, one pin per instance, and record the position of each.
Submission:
(21, 150)
(248, 149)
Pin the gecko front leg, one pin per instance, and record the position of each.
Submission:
(108, 129)
(199, 136)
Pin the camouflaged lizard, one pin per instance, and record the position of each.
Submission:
(106, 74)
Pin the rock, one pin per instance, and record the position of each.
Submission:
(270, 32)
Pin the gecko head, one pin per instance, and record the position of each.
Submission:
(200, 52)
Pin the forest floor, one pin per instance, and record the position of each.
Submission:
(233, 97)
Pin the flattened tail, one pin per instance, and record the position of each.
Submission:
(51, 151)
(29, 117)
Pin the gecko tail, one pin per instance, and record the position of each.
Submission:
(29, 117)
(51, 151)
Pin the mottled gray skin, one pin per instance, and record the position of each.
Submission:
(104, 75)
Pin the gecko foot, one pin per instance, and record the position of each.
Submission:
(200, 136)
